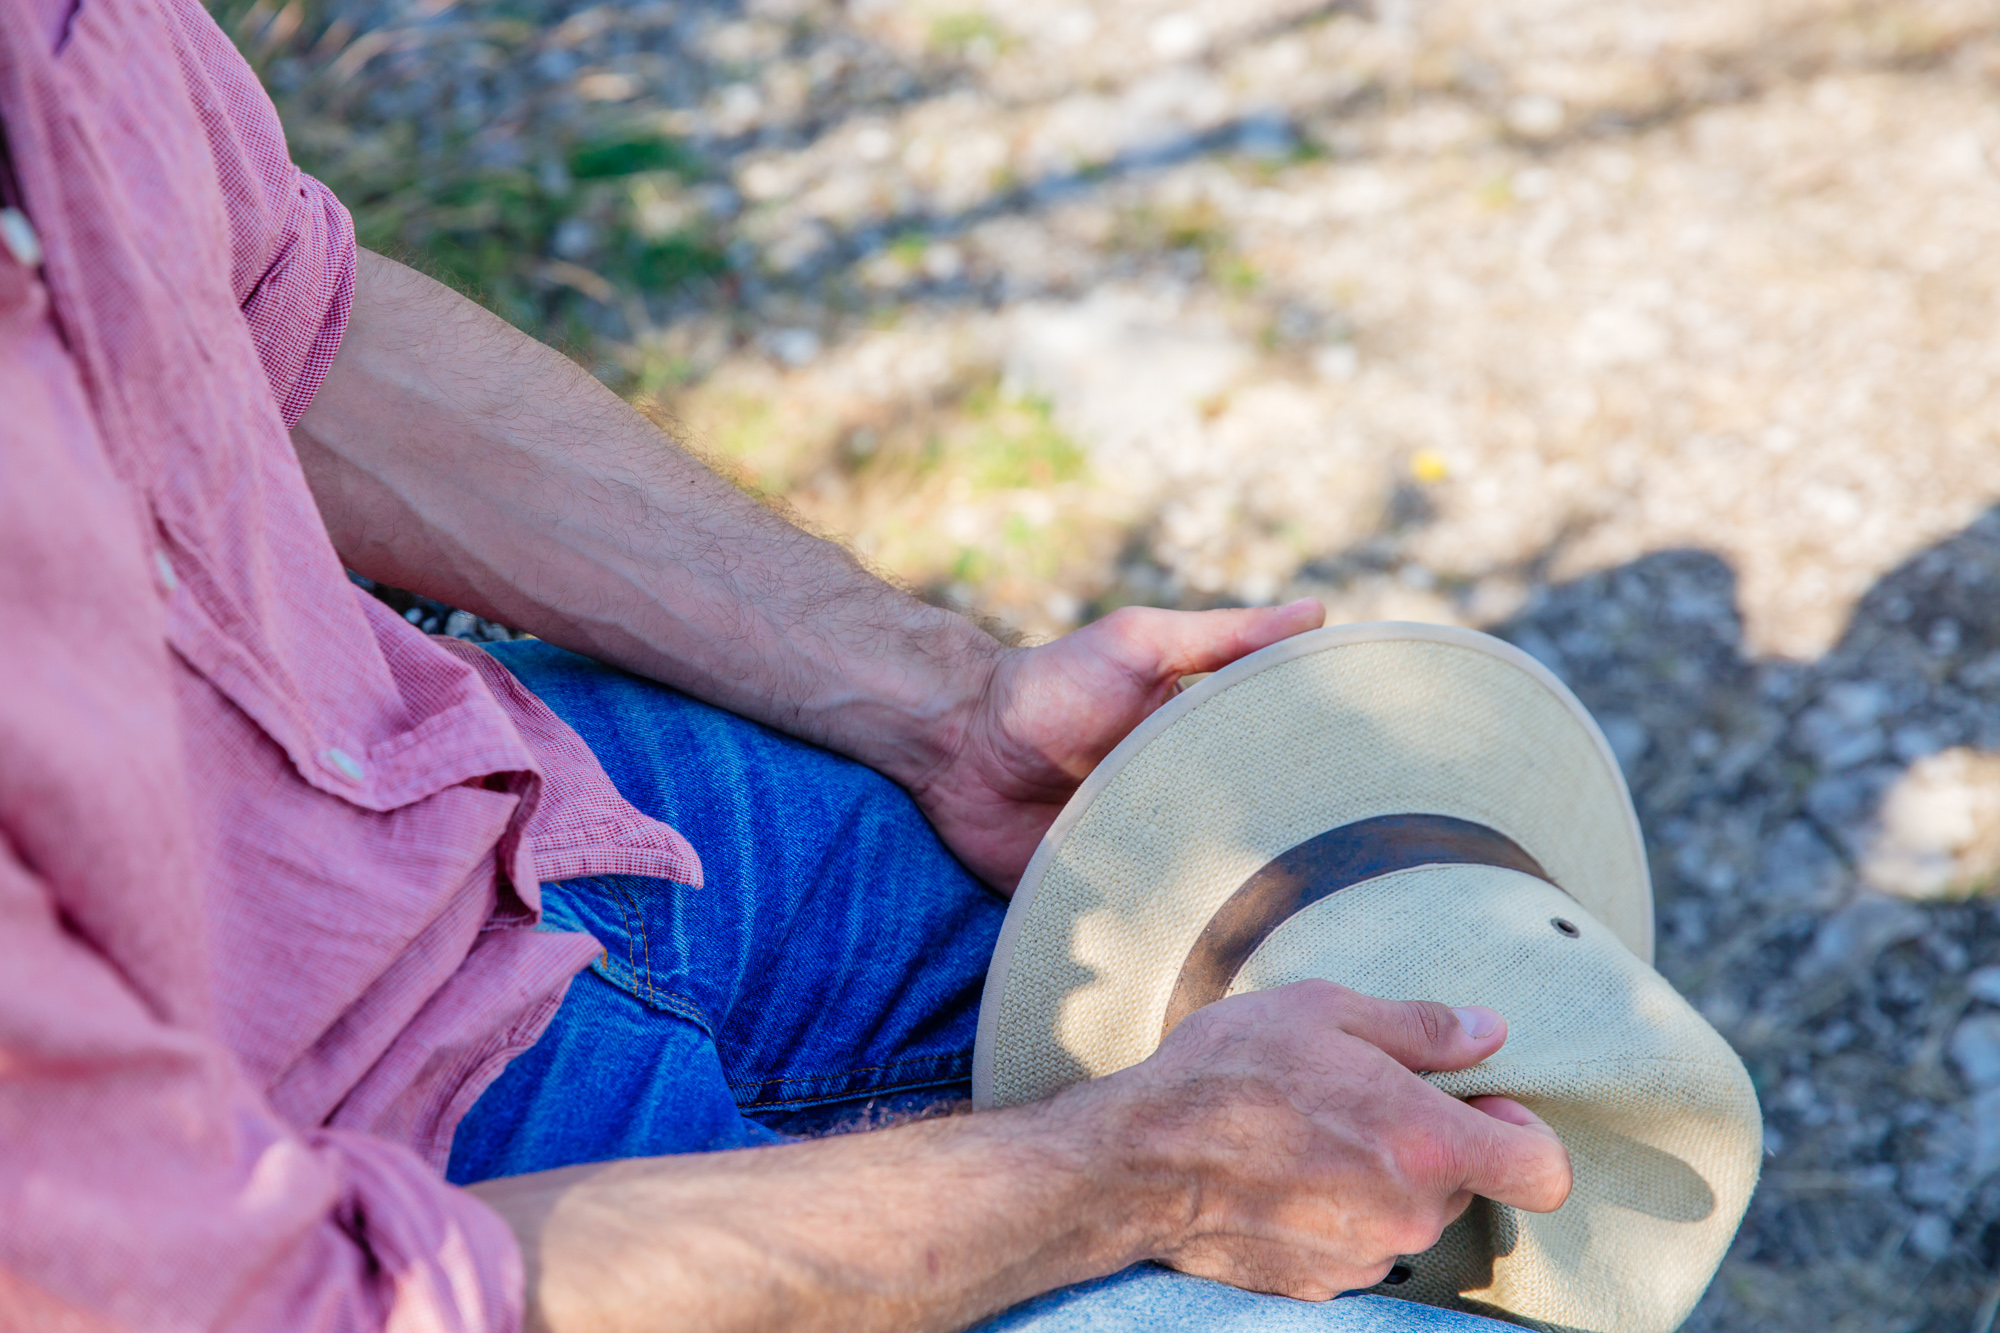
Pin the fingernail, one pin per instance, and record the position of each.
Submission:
(1477, 1022)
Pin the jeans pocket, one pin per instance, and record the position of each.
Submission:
(613, 909)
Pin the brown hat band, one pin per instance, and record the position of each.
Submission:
(1337, 859)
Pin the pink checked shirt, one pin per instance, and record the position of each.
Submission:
(268, 856)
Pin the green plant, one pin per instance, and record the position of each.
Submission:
(628, 154)
(1014, 444)
(963, 31)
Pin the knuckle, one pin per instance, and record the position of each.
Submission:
(1128, 619)
(1415, 1234)
(1427, 1020)
(1430, 1149)
(1329, 993)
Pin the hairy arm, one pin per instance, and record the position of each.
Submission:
(1277, 1141)
(452, 455)
(929, 1226)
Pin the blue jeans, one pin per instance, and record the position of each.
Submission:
(825, 977)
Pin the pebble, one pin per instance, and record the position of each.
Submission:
(1985, 1111)
(793, 347)
(1930, 1236)
(1975, 1049)
(1854, 935)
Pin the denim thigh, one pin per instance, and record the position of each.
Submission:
(1147, 1299)
(828, 971)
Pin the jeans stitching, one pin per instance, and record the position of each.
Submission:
(751, 1085)
(628, 980)
(625, 901)
(911, 1086)
(631, 959)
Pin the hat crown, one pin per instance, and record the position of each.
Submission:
(1659, 1117)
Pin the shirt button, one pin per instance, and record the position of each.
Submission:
(18, 235)
(345, 764)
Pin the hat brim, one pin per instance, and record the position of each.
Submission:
(1321, 730)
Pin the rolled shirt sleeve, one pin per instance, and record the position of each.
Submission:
(300, 305)
(292, 248)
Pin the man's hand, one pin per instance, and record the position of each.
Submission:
(1312, 1155)
(1047, 715)
(1276, 1141)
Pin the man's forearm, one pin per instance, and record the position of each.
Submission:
(453, 455)
(1277, 1140)
(929, 1226)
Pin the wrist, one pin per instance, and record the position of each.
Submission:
(924, 705)
(1148, 1195)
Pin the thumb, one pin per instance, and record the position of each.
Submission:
(1521, 1161)
(1185, 643)
(1421, 1035)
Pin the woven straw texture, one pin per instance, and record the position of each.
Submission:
(1281, 755)
(1659, 1117)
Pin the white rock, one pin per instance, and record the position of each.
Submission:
(1072, 26)
(1798, 867)
(1857, 702)
(1841, 729)
(1127, 374)
(1536, 115)
(874, 143)
(1939, 827)
(1852, 937)
(1985, 1134)
(574, 238)
(1984, 984)
(1975, 1049)
(1177, 36)
(794, 347)
(1930, 1236)
(1616, 336)
(943, 262)
(1936, 1182)
(1336, 362)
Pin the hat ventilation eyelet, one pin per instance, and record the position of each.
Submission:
(1396, 1276)
(1564, 928)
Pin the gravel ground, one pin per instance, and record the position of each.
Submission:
(1655, 338)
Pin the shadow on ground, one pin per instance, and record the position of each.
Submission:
(1776, 797)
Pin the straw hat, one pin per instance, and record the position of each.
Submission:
(1418, 812)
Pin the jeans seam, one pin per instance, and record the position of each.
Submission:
(627, 980)
(909, 1086)
(635, 928)
(750, 1086)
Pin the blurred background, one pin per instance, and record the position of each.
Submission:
(1658, 338)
